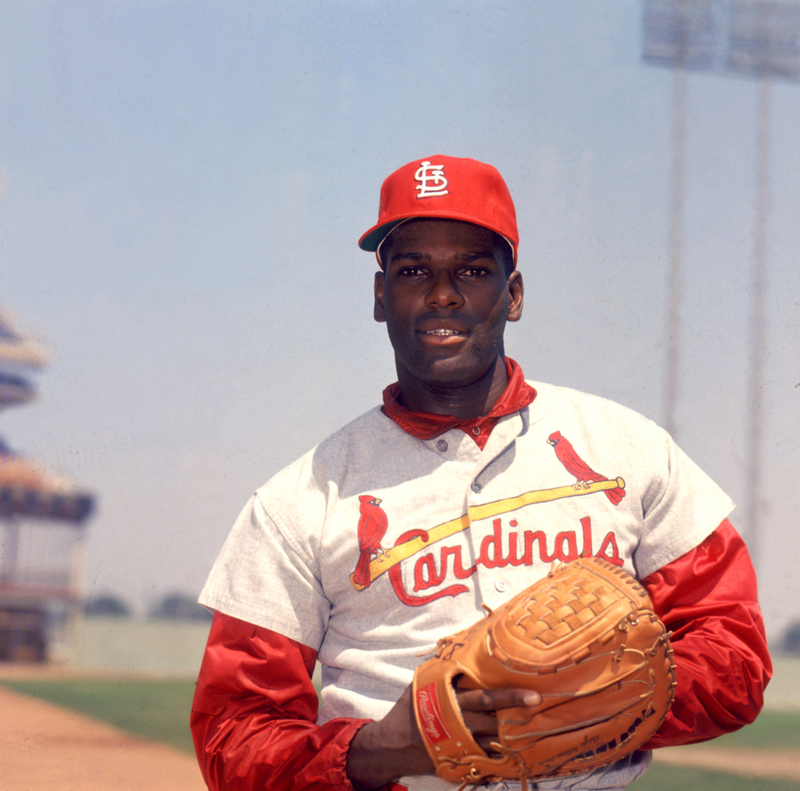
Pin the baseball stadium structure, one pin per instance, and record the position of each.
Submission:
(42, 519)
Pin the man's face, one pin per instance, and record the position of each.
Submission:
(445, 297)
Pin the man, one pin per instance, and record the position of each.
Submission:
(377, 543)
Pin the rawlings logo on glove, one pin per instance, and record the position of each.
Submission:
(587, 640)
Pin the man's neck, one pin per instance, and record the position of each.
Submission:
(463, 401)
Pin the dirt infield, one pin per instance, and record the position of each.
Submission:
(744, 762)
(43, 746)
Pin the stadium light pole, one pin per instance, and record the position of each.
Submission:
(681, 35)
(764, 43)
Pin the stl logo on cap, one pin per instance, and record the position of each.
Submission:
(432, 183)
(472, 192)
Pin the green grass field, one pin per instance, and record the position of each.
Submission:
(772, 730)
(154, 709)
(661, 777)
(160, 710)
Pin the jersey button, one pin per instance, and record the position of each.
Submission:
(476, 487)
(442, 445)
(501, 586)
(476, 430)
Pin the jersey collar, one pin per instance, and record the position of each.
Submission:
(424, 425)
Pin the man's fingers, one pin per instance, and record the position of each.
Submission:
(480, 723)
(491, 700)
(478, 707)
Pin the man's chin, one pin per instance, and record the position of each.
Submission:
(454, 373)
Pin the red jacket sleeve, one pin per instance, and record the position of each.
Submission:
(708, 599)
(254, 713)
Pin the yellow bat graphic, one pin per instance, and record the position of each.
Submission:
(391, 557)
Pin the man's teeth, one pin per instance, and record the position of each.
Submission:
(442, 332)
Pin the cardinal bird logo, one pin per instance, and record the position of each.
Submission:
(371, 530)
(576, 466)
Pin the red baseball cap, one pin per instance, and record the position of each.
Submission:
(449, 188)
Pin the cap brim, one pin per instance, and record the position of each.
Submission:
(372, 239)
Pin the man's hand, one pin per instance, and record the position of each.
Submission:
(392, 747)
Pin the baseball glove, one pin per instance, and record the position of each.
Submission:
(586, 638)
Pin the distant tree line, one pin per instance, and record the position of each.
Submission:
(107, 605)
(791, 639)
(184, 607)
(173, 606)
(180, 606)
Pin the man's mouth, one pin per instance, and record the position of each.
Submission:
(443, 333)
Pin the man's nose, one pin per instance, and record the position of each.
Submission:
(444, 292)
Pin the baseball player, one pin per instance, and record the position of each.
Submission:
(460, 490)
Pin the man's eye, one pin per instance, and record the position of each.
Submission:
(411, 271)
(475, 271)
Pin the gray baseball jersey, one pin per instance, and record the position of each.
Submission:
(375, 544)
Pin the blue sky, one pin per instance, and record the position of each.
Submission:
(185, 183)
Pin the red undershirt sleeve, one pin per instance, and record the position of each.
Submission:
(254, 715)
(708, 599)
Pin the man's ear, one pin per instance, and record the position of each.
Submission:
(516, 291)
(378, 309)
